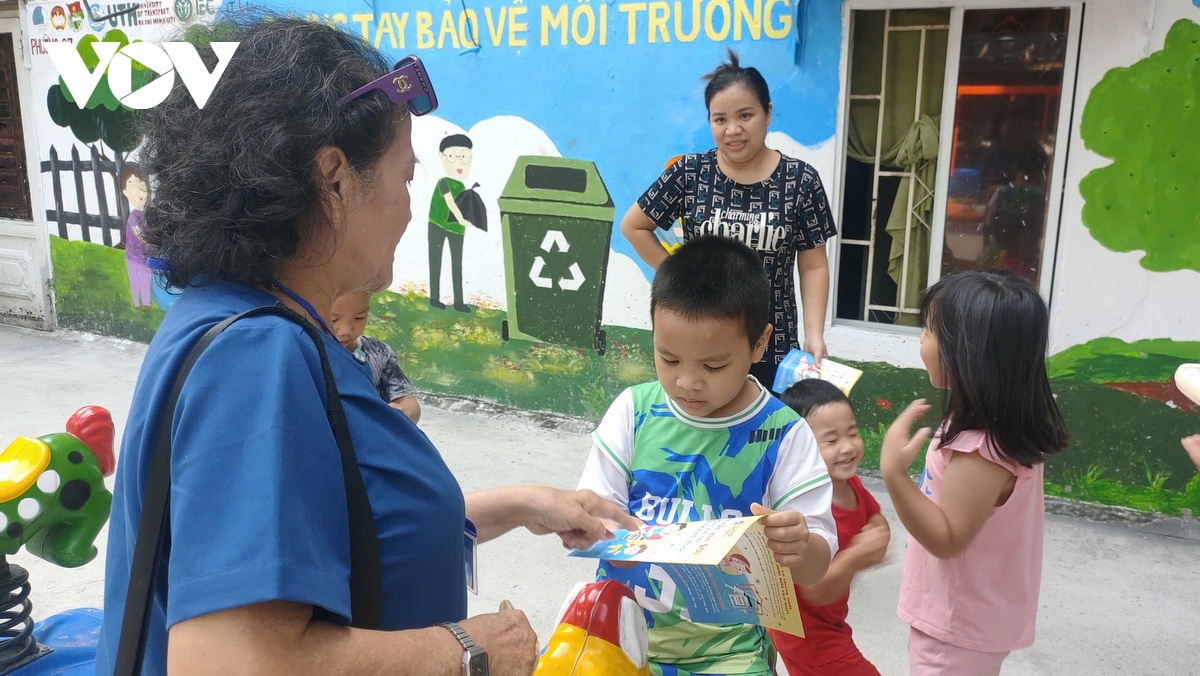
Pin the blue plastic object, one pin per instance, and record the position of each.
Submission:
(72, 636)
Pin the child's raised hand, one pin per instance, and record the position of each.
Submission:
(899, 448)
(1192, 446)
(787, 534)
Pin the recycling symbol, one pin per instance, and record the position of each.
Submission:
(555, 239)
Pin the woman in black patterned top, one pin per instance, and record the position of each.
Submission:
(742, 189)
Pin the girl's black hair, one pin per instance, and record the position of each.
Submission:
(235, 192)
(806, 396)
(731, 73)
(992, 329)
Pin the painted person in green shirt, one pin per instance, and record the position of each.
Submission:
(446, 221)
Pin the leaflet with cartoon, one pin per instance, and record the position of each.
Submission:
(799, 365)
(724, 570)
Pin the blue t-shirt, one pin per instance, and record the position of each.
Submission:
(258, 506)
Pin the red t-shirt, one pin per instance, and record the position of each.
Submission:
(827, 636)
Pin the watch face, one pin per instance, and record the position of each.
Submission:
(476, 662)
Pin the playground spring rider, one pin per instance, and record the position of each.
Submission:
(601, 631)
(53, 502)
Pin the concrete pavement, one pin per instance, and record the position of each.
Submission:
(1115, 600)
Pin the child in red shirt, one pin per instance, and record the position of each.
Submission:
(863, 536)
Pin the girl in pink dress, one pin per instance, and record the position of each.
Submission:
(973, 564)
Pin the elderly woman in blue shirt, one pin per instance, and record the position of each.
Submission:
(290, 186)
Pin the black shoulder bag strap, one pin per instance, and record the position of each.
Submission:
(365, 582)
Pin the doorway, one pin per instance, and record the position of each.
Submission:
(25, 297)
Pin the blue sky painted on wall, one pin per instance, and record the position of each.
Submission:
(627, 107)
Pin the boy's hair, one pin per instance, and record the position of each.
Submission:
(806, 396)
(715, 278)
(992, 328)
(455, 141)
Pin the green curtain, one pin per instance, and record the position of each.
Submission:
(906, 144)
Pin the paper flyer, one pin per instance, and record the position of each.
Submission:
(723, 568)
(798, 365)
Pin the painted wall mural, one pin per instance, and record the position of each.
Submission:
(95, 191)
(534, 298)
(448, 220)
(1146, 200)
(513, 283)
(557, 217)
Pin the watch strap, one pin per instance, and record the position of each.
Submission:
(464, 639)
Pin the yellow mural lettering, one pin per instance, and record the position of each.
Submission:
(603, 23)
(751, 20)
(552, 21)
(585, 12)
(785, 19)
(424, 30)
(401, 21)
(632, 9)
(660, 13)
(710, 26)
(495, 30)
(362, 20)
(385, 27)
(448, 28)
(577, 23)
(515, 26)
(470, 38)
(689, 36)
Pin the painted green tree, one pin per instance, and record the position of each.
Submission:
(1146, 119)
(103, 118)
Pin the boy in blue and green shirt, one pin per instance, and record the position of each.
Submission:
(708, 441)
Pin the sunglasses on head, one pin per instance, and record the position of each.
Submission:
(407, 83)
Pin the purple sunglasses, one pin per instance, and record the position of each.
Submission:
(408, 83)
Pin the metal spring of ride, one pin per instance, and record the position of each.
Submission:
(17, 644)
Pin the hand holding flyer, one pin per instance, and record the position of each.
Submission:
(723, 568)
(798, 365)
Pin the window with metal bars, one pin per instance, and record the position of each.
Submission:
(1000, 71)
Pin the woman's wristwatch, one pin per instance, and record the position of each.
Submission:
(475, 661)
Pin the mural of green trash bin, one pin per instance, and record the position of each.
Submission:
(557, 218)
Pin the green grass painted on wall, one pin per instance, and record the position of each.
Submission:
(454, 353)
(91, 288)
(1112, 360)
(1125, 452)
(1125, 434)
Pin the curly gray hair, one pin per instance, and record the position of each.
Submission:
(235, 191)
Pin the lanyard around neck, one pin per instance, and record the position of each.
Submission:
(304, 304)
